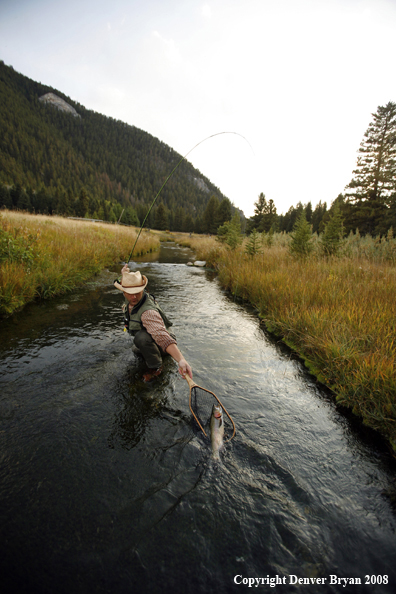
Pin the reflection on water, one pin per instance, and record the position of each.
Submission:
(107, 486)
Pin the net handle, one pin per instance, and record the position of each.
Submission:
(192, 385)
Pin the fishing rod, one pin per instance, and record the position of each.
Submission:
(170, 175)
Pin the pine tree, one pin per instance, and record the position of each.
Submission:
(83, 204)
(375, 173)
(5, 198)
(224, 212)
(317, 216)
(254, 243)
(260, 208)
(234, 237)
(331, 240)
(301, 245)
(210, 217)
(161, 218)
(269, 216)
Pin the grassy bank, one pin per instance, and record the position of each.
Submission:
(339, 314)
(43, 256)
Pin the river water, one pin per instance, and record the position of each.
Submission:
(107, 486)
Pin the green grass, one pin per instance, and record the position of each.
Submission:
(338, 314)
(42, 256)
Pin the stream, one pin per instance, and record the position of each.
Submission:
(107, 486)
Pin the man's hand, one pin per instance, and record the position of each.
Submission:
(184, 368)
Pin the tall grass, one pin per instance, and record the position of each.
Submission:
(339, 314)
(42, 256)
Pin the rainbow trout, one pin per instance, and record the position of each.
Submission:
(216, 430)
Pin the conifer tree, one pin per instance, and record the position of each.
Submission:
(161, 218)
(331, 240)
(317, 216)
(224, 211)
(254, 243)
(375, 174)
(5, 198)
(301, 245)
(269, 216)
(210, 217)
(234, 237)
(259, 208)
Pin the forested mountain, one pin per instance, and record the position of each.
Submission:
(92, 165)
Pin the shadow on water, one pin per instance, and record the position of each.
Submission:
(106, 485)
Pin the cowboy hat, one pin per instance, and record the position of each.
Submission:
(132, 282)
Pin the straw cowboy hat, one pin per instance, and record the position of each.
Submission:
(132, 282)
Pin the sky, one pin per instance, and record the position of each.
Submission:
(296, 81)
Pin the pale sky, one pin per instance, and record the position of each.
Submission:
(299, 79)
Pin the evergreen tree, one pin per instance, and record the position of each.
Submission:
(301, 245)
(370, 190)
(269, 216)
(5, 198)
(375, 174)
(254, 243)
(269, 238)
(331, 240)
(188, 225)
(198, 225)
(82, 206)
(308, 212)
(317, 216)
(42, 201)
(260, 208)
(16, 194)
(161, 218)
(234, 237)
(222, 231)
(24, 201)
(178, 222)
(224, 212)
(210, 217)
(130, 217)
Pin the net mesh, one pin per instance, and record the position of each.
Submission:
(202, 402)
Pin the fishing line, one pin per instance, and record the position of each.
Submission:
(170, 175)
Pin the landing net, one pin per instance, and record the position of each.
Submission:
(201, 404)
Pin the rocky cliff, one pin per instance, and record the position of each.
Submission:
(52, 99)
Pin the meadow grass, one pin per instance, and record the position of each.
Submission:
(42, 256)
(338, 314)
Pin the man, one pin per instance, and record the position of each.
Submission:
(148, 324)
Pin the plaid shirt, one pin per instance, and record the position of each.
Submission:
(155, 326)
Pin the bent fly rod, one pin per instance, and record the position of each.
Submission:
(170, 175)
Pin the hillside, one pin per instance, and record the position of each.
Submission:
(90, 165)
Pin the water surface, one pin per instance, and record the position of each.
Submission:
(107, 486)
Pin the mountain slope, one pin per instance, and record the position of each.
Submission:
(44, 149)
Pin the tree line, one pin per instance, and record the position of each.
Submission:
(98, 167)
(93, 165)
(368, 203)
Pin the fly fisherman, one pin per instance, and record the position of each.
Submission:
(148, 324)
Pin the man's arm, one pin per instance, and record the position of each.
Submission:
(155, 326)
(184, 367)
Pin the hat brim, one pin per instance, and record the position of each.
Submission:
(132, 290)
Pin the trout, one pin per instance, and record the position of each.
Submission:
(216, 430)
